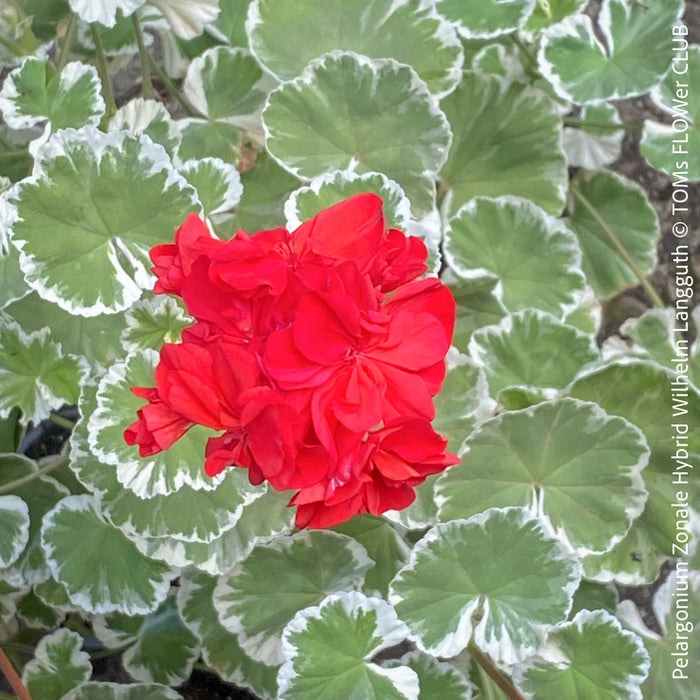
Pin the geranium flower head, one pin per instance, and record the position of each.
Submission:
(316, 353)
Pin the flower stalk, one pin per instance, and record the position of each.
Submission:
(498, 677)
(13, 677)
(144, 58)
(10, 486)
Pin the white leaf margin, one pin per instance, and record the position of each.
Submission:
(552, 654)
(498, 648)
(389, 628)
(229, 175)
(138, 114)
(188, 18)
(467, 33)
(264, 647)
(155, 159)
(17, 508)
(124, 691)
(86, 503)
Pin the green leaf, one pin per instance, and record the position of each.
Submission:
(229, 26)
(71, 98)
(210, 90)
(670, 650)
(148, 117)
(96, 338)
(568, 461)
(325, 191)
(40, 494)
(255, 602)
(164, 650)
(477, 305)
(13, 286)
(486, 19)
(438, 680)
(118, 691)
(592, 144)
(385, 547)
(408, 31)
(81, 246)
(641, 393)
(341, 114)
(220, 648)
(163, 473)
(58, 666)
(603, 200)
(125, 581)
(462, 403)
(14, 529)
(594, 596)
(636, 54)
(218, 184)
(539, 247)
(35, 374)
(152, 322)
(523, 351)
(679, 99)
(551, 12)
(35, 614)
(523, 156)
(591, 656)
(497, 577)
(422, 513)
(327, 650)
(265, 188)
(200, 138)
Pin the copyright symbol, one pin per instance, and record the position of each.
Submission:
(680, 229)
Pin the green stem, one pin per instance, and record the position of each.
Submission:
(498, 677)
(170, 87)
(19, 646)
(68, 40)
(104, 72)
(14, 153)
(17, 49)
(575, 121)
(143, 56)
(531, 68)
(60, 420)
(653, 295)
(12, 485)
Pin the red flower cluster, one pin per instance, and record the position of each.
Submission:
(316, 352)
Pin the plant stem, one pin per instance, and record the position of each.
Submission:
(144, 57)
(19, 646)
(16, 48)
(575, 121)
(12, 485)
(13, 677)
(61, 421)
(68, 40)
(655, 298)
(104, 72)
(104, 653)
(13, 153)
(498, 677)
(170, 87)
